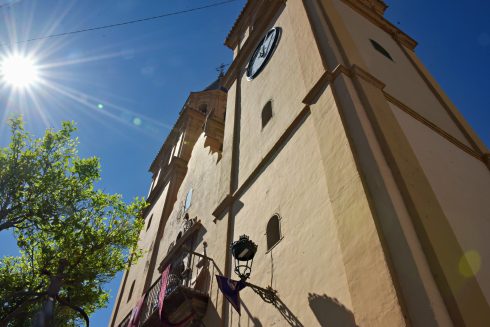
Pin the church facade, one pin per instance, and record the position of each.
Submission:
(332, 148)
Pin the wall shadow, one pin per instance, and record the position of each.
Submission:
(212, 317)
(330, 312)
(270, 296)
(255, 321)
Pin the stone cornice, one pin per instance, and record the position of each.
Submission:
(166, 143)
(177, 167)
(229, 199)
(329, 77)
(355, 71)
(186, 112)
(251, 42)
(232, 34)
(371, 10)
(252, 6)
(434, 127)
(377, 5)
(360, 6)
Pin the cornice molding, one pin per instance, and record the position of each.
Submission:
(228, 201)
(377, 5)
(356, 71)
(250, 43)
(252, 6)
(372, 12)
(176, 168)
(330, 77)
(434, 127)
(368, 77)
(185, 113)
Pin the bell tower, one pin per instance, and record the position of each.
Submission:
(328, 146)
(405, 174)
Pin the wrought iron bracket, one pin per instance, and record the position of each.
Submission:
(268, 294)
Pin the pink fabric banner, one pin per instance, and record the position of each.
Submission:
(163, 290)
(136, 313)
(161, 298)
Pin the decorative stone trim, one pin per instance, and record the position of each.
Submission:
(330, 77)
(176, 168)
(433, 127)
(375, 14)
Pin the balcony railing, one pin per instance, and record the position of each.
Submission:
(186, 295)
(150, 305)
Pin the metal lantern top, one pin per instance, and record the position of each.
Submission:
(243, 249)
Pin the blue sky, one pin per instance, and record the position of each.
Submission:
(124, 86)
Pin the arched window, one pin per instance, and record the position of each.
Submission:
(203, 108)
(380, 49)
(273, 231)
(130, 291)
(266, 113)
(149, 222)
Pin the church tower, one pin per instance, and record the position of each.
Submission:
(330, 146)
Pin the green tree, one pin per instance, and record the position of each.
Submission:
(73, 238)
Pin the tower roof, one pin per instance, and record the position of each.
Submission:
(217, 84)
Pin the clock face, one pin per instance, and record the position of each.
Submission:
(263, 52)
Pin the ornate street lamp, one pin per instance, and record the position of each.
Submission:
(243, 252)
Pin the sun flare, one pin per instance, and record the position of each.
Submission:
(19, 71)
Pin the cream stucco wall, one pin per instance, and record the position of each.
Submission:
(332, 266)
(139, 268)
(203, 178)
(284, 82)
(400, 76)
(461, 184)
(308, 259)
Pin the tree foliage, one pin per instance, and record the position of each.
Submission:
(69, 233)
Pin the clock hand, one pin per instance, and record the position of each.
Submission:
(262, 52)
(267, 44)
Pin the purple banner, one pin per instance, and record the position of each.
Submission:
(231, 290)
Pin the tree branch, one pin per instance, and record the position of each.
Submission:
(18, 311)
(77, 309)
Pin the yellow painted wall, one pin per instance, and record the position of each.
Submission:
(139, 268)
(306, 265)
(331, 268)
(461, 184)
(282, 83)
(401, 79)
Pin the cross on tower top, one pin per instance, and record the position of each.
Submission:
(221, 69)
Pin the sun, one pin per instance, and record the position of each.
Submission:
(19, 71)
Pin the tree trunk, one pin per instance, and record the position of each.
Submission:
(44, 318)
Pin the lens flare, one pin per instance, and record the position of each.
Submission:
(470, 263)
(19, 71)
(137, 121)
